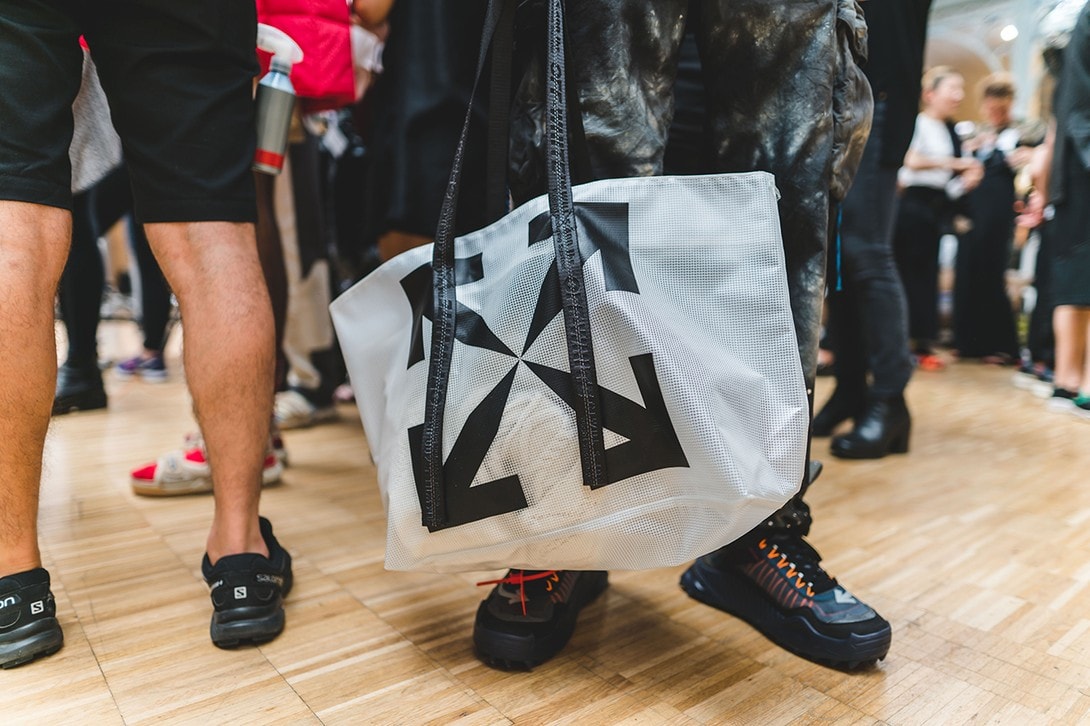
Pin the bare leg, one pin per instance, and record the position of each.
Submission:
(214, 269)
(1069, 324)
(34, 242)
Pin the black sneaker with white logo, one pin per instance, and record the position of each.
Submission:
(530, 615)
(248, 592)
(28, 618)
(774, 581)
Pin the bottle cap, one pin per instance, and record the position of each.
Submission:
(285, 51)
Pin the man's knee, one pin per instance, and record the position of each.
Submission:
(34, 242)
(192, 251)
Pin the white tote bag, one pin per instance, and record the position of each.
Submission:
(674, 299)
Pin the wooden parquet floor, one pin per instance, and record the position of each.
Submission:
(975, 546)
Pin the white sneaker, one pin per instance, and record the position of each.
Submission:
(292, 410)
(187, 472)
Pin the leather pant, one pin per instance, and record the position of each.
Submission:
(784, 95)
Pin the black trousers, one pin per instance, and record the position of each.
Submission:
(93, 213)
(983, 318)
(868, 314)
(1040, 340)
(916, 249)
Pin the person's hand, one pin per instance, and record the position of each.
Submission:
(962, 225)
(371, 14)
(985, 138)
(962, 163)
(1030, 213)
(972, 176)
(1019, 157)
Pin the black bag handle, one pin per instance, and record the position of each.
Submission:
(499, 118)
(569, 266)
(569, 262)
(499, 114)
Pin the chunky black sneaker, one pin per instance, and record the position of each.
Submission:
(776, 584)
(530, 615)
(248, 591)
(28, 618)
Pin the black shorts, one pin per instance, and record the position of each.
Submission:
(178, 75)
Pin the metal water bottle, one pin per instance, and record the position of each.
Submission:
(275, 99)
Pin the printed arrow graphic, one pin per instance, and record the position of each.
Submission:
(652, 443)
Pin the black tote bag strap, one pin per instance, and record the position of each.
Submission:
(569, 265)
(499, 119)
(444, 318)
(573, 292)
(499, 114)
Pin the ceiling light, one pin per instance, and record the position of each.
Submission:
(1008, 33)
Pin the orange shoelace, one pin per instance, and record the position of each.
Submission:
(520, 578)
(793, 571)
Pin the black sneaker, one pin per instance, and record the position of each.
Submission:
(248, 591)
(777, 585)
(1062, 399)
(28, 618)
(530, 615)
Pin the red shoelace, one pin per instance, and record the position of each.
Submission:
(520, 578)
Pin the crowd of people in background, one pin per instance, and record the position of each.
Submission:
(978, 180)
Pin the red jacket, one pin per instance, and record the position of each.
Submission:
(324, 78)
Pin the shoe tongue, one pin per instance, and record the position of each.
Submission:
(807, 560)
(535, 582)
(533, 590)
(512, 595)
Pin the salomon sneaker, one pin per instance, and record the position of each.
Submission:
(28, 618)
(247, 593)
(530, 615)
(777, 585)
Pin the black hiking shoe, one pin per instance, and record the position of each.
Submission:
(28, 618)
(530, 615)
(247, 592)
(776, 584)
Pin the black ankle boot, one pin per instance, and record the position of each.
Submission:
(78, 389)
(841, 406)
(882, 429)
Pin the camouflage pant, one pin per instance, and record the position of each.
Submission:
(784, 95)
